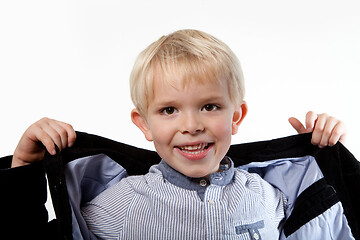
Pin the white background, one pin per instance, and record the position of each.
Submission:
(70, 60)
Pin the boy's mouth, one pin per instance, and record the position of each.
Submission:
(195, 149)
(194, 152)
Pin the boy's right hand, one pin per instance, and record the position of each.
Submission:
(43, 133)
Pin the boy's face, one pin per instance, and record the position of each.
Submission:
(191, 127)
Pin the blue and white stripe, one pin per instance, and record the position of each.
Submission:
(152, 207)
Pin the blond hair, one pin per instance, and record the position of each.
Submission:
(190, 55)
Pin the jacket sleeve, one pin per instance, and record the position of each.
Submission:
(22, 202)
(342, 171)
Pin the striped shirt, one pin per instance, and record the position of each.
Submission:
(164, 204)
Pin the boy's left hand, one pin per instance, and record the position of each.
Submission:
(327, 130)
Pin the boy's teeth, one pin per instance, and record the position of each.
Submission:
(194, 147)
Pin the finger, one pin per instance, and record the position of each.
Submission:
(46, 141)
(327, 132)
(54, 135)
(338, 134)
(52, 132)
(342, 132)
(71, 134)
(318, 129)
(310, 120)
(65, 132)
(50, 127)
(297, 125)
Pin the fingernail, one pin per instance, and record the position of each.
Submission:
(53, 152)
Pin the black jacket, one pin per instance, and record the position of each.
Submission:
(23, 189)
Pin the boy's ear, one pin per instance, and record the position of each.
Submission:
(238, 116)
(141, 123)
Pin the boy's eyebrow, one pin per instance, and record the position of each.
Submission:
(165, 103)
(207, 99)
(212, 98)
(215, 98)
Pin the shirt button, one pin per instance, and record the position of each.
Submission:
(211, 202)
(256, 236)
(203, 182)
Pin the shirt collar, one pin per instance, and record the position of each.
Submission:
(221, 178)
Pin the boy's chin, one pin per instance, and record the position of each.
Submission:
(198, 174)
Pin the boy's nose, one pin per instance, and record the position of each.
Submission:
(191, 124)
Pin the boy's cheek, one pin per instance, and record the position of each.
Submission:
(223, 128)
(159, 137)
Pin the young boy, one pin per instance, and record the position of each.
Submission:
(188, 91)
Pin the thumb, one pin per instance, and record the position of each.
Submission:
(295, 123)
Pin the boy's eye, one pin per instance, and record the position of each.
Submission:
(168, 110)
(210, 107)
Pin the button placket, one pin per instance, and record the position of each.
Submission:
(203, 182)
